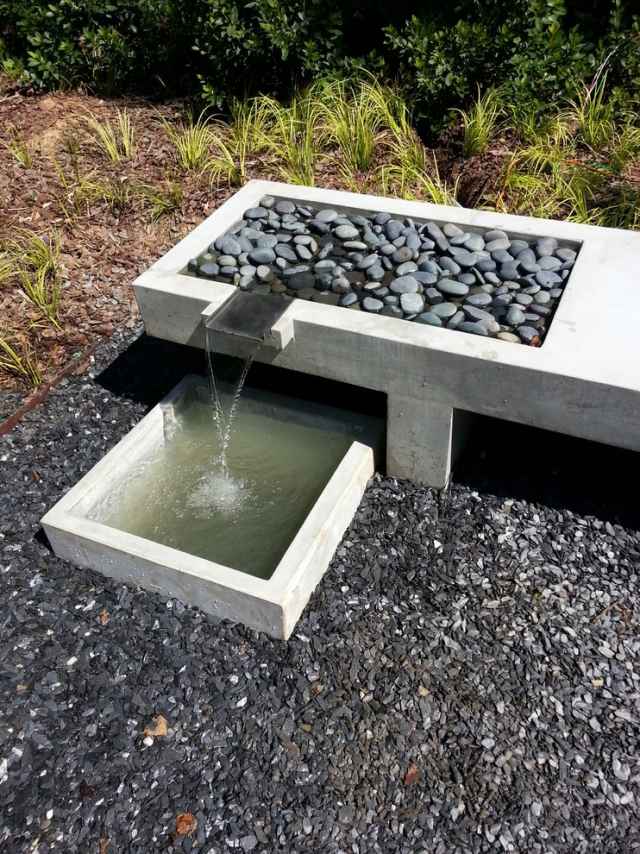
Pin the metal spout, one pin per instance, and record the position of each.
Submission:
(254, 318)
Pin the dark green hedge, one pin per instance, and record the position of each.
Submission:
(439, 52)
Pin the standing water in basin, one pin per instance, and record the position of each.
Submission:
(280, 458)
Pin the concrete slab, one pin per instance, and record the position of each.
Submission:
(584, 380)
(272, 605)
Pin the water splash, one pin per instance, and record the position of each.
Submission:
(218, 491)
(224, 420)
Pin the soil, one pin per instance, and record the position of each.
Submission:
(103, 249)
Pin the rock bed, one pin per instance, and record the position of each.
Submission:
(483, 282)
(466, 678)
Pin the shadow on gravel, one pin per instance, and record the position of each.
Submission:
(149, 368)
(514, 461)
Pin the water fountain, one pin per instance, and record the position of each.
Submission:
(571, 367)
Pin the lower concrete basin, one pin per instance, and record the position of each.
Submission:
(251, 546)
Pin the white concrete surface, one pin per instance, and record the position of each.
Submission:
(272, 605)
(584, 380)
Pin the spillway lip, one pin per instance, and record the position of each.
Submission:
(272, 605)
(248, 315)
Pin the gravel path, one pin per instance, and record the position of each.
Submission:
(466, 678)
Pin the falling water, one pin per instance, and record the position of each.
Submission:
(222, 419)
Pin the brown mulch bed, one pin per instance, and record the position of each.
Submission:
(102, 249)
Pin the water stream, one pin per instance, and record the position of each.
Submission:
(223, 419)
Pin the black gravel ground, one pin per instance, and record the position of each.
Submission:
(466, 677)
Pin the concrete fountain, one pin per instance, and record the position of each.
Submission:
(481, 313)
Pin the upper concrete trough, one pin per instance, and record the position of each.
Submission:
(583, 381)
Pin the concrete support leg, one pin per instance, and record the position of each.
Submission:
(421, 444)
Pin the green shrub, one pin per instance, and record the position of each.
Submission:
(535, 50)
(268, 46)
(108, 46)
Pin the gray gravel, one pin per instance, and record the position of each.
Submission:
(466, 677)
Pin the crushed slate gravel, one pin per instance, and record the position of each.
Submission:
(465, 678)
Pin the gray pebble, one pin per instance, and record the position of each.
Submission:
(256, 213)
(473, 328)
(444, 310)
(515, 316)
(346, 232)
(262, 256)
(479, 300)
(406, 268)
(429, 318)
(546, 246)
(372, 304)
(209, 269)
(402, 254)
(448, 286)
(326, 215)
(528, 334)
(283, 206)
(450, 265)
(284, 251)
(405, 285)
(497, 243)
(411, 303)
(348, 299)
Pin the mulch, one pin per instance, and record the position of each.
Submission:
(102, 251)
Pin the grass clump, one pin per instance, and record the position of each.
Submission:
(18, 147)
(410, 182)
(288, 133)
(162, 200)
(192, 141)
(350, 117)
(116, 141)
(35, 262)
(233, 144)
(480, 122)
(19, 361)
(593, 115)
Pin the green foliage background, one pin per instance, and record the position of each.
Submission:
(218, 49)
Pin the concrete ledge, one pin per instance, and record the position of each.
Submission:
(272, 605)
(584, 380)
